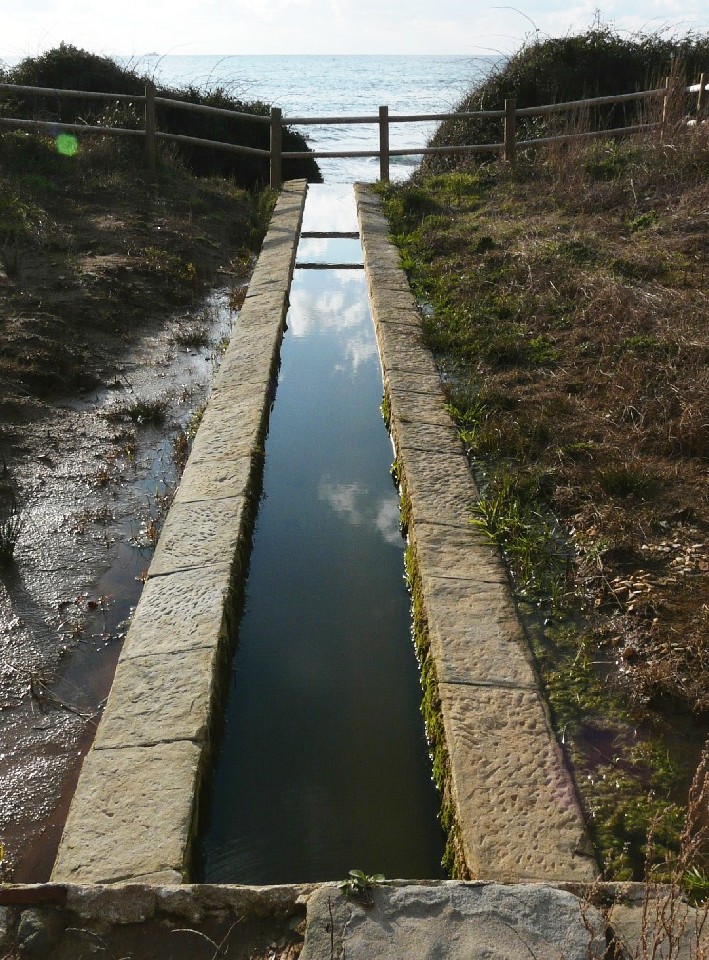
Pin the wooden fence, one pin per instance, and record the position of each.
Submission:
(670, 95)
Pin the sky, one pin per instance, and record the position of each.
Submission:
(466, 27)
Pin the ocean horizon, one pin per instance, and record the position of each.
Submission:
(321, 85)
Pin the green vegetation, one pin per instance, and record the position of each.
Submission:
(565, 302)
(597, 63)
(359, 885)
(67, 67)
(91, 249)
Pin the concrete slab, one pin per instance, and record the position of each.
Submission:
(455, 921)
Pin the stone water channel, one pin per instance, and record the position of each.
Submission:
(323, 765)
(508, 797)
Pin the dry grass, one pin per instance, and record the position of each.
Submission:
(569, 314)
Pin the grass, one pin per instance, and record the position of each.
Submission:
(11, 525)
(565, 303)
(140, 410)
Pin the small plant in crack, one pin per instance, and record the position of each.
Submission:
(359, 886)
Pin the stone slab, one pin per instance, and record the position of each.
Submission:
(459, 554)
(229, 425)
(664, 928)
(197, 534)
(518, 812)
(453, 921)
(430, 437)
(236, 403)
(264, 309)
(440, 486)
(415, 381)
(475, 634)
(388, 312)
(251, 355)
(160, 698)
(401, 345)
(218, 479)
(131, 815)
(408, 406)
(181, 611)
(384, 300)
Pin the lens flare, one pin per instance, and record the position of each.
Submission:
(67, 145)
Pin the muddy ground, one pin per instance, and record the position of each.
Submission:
(108, 341)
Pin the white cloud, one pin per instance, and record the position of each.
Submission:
(353, 503)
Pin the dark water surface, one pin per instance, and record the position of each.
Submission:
(324, 766)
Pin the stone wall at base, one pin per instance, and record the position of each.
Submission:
(399, 920)
(518, 815)
(134, 810)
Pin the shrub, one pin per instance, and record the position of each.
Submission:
(593, 64)
(67, 67)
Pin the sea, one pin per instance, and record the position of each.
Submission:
(330, 86)
(327, 86)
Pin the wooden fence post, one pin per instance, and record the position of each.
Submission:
(510, 148)
(150, 143)
(703, 96)
(384, 144)
(276, 148)
(672, 103)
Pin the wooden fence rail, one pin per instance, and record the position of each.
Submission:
(670, 95)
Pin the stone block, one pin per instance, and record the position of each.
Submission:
(199, 534)
(181, 611)
(459, 553)
(131, 815)
(455, 921)
(401, 382)
(161, 698)
(440, 486)
(129, 903)
(519, 815)
(410, 407)
(475, 634)
(431, 437)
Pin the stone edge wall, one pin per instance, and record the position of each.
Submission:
(134, 812)
(509, 802)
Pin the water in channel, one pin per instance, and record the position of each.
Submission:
(323, 765)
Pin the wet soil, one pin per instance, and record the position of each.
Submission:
(108, 342)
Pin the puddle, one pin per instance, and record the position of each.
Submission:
(324, 765)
